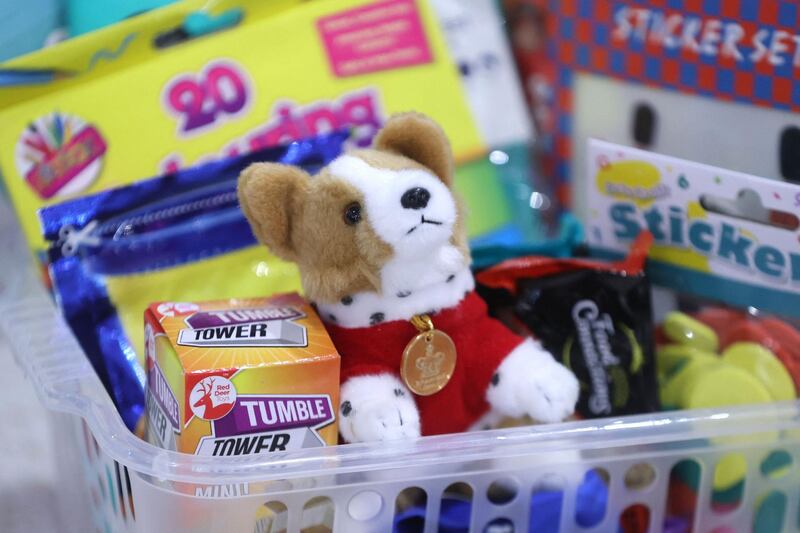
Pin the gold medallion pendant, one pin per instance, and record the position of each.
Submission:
(429, 359)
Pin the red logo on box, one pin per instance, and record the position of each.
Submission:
(212, 397)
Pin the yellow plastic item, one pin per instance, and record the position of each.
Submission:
(670, 357)
(724, 385)
(674, 391)
(683, 329)
(693, 376)
(761, 363)
(730, 470)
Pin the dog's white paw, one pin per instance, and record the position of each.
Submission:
(377, 408)
(530, 382)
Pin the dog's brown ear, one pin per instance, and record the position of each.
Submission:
(270, 195)
(418, 137)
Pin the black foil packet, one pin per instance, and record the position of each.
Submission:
(594, 317)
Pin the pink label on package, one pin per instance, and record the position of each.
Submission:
(63, 165)
(379, 36)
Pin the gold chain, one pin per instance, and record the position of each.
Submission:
(422, 323)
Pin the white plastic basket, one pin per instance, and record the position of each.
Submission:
(129, 485)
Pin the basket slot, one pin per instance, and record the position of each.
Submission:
(411, 506)
(272, 517)
(635, 517)
(319, 515)
(589, 512)
(770, 512)
(730, 483)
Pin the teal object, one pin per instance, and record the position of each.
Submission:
(776, 464)
(504, 218)
(514, 177)
(570, 236)
(201, 23)
(84, 16)
(770, 513)
(497, 190)
(24, 30)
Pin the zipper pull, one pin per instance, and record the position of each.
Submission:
(71, 239)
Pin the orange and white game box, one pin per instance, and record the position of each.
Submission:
(240, 377)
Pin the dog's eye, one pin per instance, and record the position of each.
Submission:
(352, 214)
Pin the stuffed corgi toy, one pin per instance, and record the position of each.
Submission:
(380, 243)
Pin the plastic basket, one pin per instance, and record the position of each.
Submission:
(129, 485)
(111, 481)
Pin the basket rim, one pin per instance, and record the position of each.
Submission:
(65, 381)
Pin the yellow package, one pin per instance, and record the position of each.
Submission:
(122, 108)
(245, 273)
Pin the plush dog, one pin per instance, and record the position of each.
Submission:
(379, 239)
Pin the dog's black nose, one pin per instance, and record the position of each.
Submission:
(415, 198)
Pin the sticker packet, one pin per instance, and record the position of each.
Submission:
(595, 317)
(179, 237)
(240, 377)
(718, 234)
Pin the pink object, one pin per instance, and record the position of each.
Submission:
(379, 36)
(61, 166)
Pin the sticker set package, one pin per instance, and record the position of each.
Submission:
(652, 73)
(180, 237)
(240, 377)
(717, 234)
(594, 316)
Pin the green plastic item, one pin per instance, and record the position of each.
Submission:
(488, 208)
(670, 359)
(675, 391)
